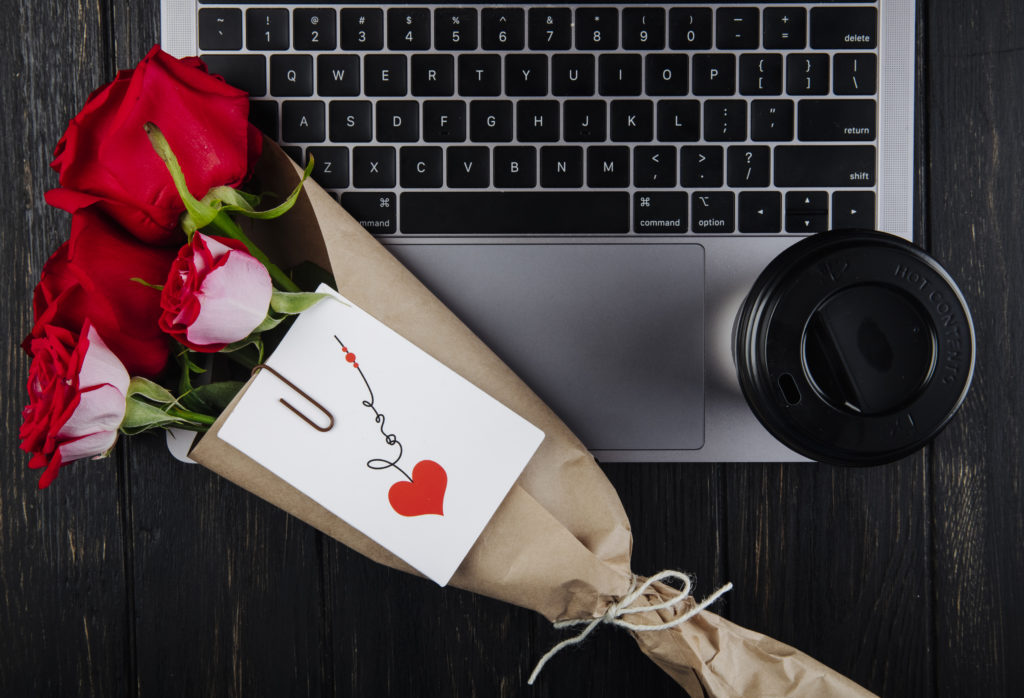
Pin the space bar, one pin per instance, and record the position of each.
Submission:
(514, 213)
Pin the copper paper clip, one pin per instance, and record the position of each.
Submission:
(303, 417)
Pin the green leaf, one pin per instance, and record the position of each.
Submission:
(295, 303)
(231, 198)
(216, 396)
(141, 416)
(201, 214)
(146, 388)
(282, 208)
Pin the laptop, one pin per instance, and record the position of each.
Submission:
(592, 188)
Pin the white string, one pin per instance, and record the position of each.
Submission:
(624, 606)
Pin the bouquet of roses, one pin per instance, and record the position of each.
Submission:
(161, 271)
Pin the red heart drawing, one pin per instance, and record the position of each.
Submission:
(424, 494)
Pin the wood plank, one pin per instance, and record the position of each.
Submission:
(834, 561)
(975, 86)
(63, 616)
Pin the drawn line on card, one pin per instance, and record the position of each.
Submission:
(305, 396)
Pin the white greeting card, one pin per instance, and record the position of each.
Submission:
(382, 435)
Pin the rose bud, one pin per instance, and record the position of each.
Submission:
(105, 158)
(216, 294)
(77, 390)
(91, 277)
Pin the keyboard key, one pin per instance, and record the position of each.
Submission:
(597, 28)
(444, 121)
(761, 74)
(479, 75)
(515, 213)
(350, 122)
(468, 167)
(725, 120)
(408, 29)
(303, 122)
(398, 121)
(490, 121)
(455, 29)
(855, 74)
(632, 121)
(266, 30)
(654, 166)
(844, 27)
(853, 209)
(737, 28)
(825, 166)
(385, 76)
(362, 30)
(806, 211)
(785, 27)
(619, 74)
(748, 166)
(526, 75)
(337, 75)
(421, 167)
(220, 29)
(584, 120)
(607, 166)
(433, 75)
(807, 74)
(550, 29)
(537, 120)
(659, 212)
(373, 167)
(263, 115)
(667, 74)
(502, 29)
(291, 75)
(375, 211)
(248, 73)
(714, 212)
(643, 28)
(315, 29)
(561, 167)
(714, 74)
(678, 120)
(701, 166)
(689, 29)
(836, 120)
(760, 212)
(330, 166)
(771, 120)
(515, 167)
(572, 75)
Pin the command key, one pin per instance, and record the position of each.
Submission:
(659, 212)
(375, 211)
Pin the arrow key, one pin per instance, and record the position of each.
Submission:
(760, 212)
(806, 211)
(853, 209)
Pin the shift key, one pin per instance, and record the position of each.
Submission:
(820, 166)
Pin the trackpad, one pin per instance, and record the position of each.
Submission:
(610, 336)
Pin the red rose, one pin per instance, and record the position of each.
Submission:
(105, 158)
(77, 390)
(216, 294)
(90, 278)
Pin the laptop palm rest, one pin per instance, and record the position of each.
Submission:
(610, 336)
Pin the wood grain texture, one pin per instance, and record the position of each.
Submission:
(139, 575)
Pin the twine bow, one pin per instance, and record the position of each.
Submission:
(624, 606)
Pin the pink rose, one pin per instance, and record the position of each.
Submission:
(216, 294)
(77, 390)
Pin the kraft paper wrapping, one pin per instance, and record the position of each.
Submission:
(560, 542)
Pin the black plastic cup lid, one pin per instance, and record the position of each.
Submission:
(854, 347)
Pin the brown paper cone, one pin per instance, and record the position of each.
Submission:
(560, 542)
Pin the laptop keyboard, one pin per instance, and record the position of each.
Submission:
(568, 120)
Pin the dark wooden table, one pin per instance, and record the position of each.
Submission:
(141, 575)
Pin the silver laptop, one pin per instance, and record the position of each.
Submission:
(592, 188)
